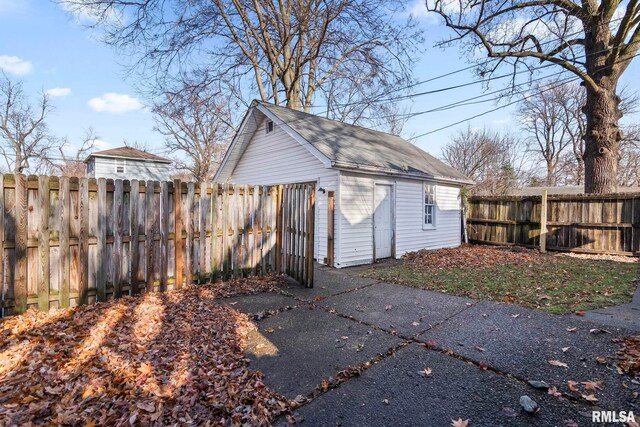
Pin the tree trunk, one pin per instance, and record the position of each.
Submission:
(602, 139)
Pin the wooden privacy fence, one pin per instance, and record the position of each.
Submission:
(70, 241)
(602, 224)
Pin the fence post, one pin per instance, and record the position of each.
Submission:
(543, 222)
(279, 230)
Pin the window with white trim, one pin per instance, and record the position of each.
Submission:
(120, 166)
(429, 193)
(269, 126)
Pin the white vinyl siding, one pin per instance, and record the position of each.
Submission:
(410, 235)
(105, 167)
(276, 158)
(356, 216)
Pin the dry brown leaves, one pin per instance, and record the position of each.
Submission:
(473, 256)
(629, 355)
(156, 359)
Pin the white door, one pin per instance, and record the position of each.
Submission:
(382, 220)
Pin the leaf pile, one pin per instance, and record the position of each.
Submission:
(155, 359)
(629, 355)
(473, 256)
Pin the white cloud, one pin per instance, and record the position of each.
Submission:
(58, 92)
(115, 103)
(101, 144)
(14, 65)
(502, 122)
(13, 6)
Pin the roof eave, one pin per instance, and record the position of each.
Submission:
(379, 170)
(138, 159)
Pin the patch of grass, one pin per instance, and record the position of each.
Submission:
(558, 285)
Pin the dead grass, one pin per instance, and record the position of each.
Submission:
(172, 358)
(552, 282)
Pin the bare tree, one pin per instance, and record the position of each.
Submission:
(595, 40)
(73, 165)
(548, 122)
(24, 136)
(198, 126)
(285, 50)
(490, 159)
(629, 168)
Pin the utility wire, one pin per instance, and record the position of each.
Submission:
(506, 105)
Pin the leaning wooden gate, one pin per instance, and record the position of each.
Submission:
(296, 225)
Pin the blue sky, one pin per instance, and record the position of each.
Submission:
(48, 49)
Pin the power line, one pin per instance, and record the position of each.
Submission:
(506, 105)
(407, 96)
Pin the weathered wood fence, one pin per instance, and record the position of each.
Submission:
(70, 241)
(603, 224)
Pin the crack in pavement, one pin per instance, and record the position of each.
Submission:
(352, 372)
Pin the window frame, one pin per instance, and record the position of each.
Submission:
(269, 127)
(434, 191)
(123, 165)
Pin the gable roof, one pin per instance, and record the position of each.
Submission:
(129, 153)
(344, 146)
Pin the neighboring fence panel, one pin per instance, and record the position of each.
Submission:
(605, 224)
(69, 241)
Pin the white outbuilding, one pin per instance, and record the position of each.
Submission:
(388, 197)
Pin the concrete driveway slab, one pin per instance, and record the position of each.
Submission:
(260, 303)
(625, 316)
(521, 342)
(394, 307)
(394, 393)
(328, 282)
(299, 348)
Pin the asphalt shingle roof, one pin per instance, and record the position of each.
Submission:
(130, 153)
(352, 146)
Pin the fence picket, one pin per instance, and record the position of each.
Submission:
(118, 196)
(43, 243)
(149, 219)
(577, 223)
(66, 238)
(135, 235)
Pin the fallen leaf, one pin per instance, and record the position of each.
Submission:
(483, 366)
(269, 330)
(149, 406)
(590, 397)
(554, 392)
(415, 323)
(570, 423)
(592, 385)
(572, 385)
(565, 349)
(580, 313)
(599, 331)
(426, 372)
(459, 423)
(602, 360)
(558, 363)
(385, 401)
(572, 329)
